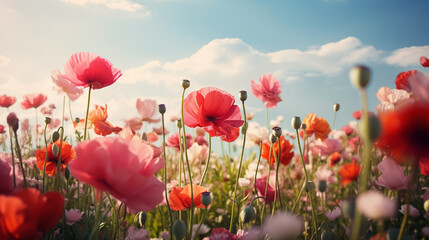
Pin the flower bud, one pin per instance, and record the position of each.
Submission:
(161, 108)
(67, 172)
(273, 138)
(373, 129)
(206, 199)
(179, 229)
(144, 137)
(77, 120)
(322, 185)
(186, 83)
(15, 126)
(304, 126)
(426, 205)
(296, 122)
(247, 214)
(55, 136)
(309, 186)
(140, 219)
(360, 76)
(243, 95)
(48, 120)
(277, 131)
(12, 119)
(179, 123)
(55, 150)
(336, 107)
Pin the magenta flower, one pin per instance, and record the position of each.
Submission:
(392, 175)
(84, 69)
(123, 168)
(33, 100)
(268, 90)
(261, 183)
(147, 109)
(215, 111)
(63, 84)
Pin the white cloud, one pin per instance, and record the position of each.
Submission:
(230, 64)
(124, 5)
(408, 56)
(4, 61)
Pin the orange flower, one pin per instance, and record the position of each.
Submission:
(317, 125)
(28, 214)
(349, 172)
(334, 158)
(67, 154)
(98, 117)
(180, 198)
(286, 154)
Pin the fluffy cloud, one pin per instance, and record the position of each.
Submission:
(232, 63)
(4, 61)
(124, 5)
(408, 56)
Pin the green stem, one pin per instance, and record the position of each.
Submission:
(335, 118)
(414, 173)
(115, 217)
(240, 165)
(18, 153)
(59, 159)
(87, 112)
(277, 185)
(208, 161)
(266, 184)
(199, 224)
(36, 134)
(257, 167)
(13, 157)
(70, 111)
(46, 159)
(165, 177)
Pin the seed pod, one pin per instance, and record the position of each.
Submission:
(140, 219)
(179, 229)
(243, 95)
(336, 107)
(206, 199)
(55, 136)
(296, 122)
(186, 83)
(247, 214)
(161, 108)
(55, 150)
(360, 76)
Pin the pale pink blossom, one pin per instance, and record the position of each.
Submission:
(128, 134)
(134, 123)
(333, 214)
(134, 233)
(255, 135)
(123, 168)
(6, 174)
(419, 84)
(425, 231)
(392, 175)
(173, 141)
(221, 234)
(374, 205)
(391, 99)
(25, 125)
(72, 216)
(197, 153)
(33, 100)
(54, 123)
(324, 173)
(412, 211)
(275, 225)
(147, 109)
(159, 131)
(326, 148)
(63, 85)
(268, 90)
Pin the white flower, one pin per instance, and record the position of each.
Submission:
(283, 225)
(375, 205)
(243, 182)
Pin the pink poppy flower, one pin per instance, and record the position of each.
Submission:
(392, 99)
(134, 233)
(374, 205)
(147, 109)
(158, 131)
(261, 183)
(333, 214)
(6, 174)
(419, 84)
(214, 110)
(7, 101)
(268, 90)
(72, 216)
(357, 114)
(424, 61)
(173, 141)
(392, 175)
(2, 129)
(33, 100)
(84, 69)
(326, 148)
(46, 111)
(63, 85)
(123, 168)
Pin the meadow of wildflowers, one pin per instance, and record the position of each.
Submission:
(365, 180)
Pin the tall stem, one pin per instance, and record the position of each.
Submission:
(87, 112)
(207, 162)
(165, 176)
(266, 184)
(36, 134)
(46, 159)
(18, 154)
(13, 157)
(239, 167)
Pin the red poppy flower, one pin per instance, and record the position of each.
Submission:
(28, 214)
(173, 141)
(67, 154)
(334, 158)
(33, 100)
(349, 172)
(424, 61)
(357, 114)
(317, 125)
(286, 153)
(84, 69)
(180, 198)
(7, 101)
(405, 132)
(401, 80)
(424, 166)
(98, 117)
(2, 129)
(215, 111)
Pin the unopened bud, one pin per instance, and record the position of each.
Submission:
(77, 120)
(161, 108)
(322, 185)
(247, 214)
(67, 172)
(277, 131)
(144, 137)
(179, 123)
(243, 95)
(140, 219)
(336, 107)
(360, 76)
(179, 229)
(296, 122)
(55, 136)
(186, 83)
(11, 119)
(304, 126)
(273, 138)
(48, 120)
(206, 199)
(55, 150)
(309, 186)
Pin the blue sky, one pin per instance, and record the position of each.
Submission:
(309, 46)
